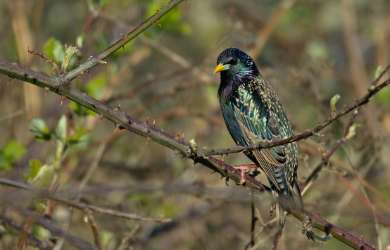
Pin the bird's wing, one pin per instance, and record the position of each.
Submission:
(259, 121)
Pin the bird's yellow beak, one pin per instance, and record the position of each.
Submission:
(219, 68)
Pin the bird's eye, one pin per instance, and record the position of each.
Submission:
(232, 61)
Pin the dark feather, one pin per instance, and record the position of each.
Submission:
(253, 113)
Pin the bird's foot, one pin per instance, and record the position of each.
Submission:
(244, 169)
(310, 234)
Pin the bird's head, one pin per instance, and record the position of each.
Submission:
(233, 63)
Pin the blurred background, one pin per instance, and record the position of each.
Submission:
(312, 52)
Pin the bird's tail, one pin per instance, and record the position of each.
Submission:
(289, 200)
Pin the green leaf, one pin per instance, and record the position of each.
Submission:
(352, 131)
(14, 150)
(383, 96)
(79, 138)
(41, 232)
(80, 41)
(33, 170)
(378, 71)
(333, 103)
(39, 128)
(44, 177)
(4, 163)
(10, 153)
(61, 128)
(70, 57)
(54, 50)
(80, 110)
(125, 49)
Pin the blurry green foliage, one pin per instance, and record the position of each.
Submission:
(44, 176)
(62, 55)
(79, 135)
(333, 102)
(61, 128)
(168, 209)
(41, 174)
(152, 204)
(317, 50)
(300, 16)
(79, 138)
(95, 88)
(172, 22)
(80, 41)
(40, 130)
(33, 170)
(384, 96)
(54, 50)
(10, 153)
(40, 232)
(124, 50)
(106, 237)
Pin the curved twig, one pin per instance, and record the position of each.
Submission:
(130, 35)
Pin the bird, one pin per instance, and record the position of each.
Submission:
(253, 113)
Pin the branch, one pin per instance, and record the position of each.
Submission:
(130, 35)
(58, 232)
(52, 228)
(348, 134)
(339, 233)
(32, 239)
(372, 91)
(79, 205)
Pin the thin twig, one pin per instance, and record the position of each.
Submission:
(130, 35)
(80, 205)
(328, 154)
(358, 72)
(31, 238)
(127, 239)
(90, 219)
(254, 219)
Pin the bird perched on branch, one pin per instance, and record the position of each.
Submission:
(252, 114)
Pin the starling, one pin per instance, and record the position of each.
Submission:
(252, 114)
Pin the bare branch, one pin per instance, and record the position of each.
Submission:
(80, 205)
(328, 154)
(339, 233)
(130, 35)
(31, 238)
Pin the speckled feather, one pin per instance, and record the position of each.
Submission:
(253, 113)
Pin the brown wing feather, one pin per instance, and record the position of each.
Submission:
(265, 160)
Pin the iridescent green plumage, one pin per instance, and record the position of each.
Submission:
(253, 113)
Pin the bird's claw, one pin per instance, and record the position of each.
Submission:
(308, 231)
(244, 169)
